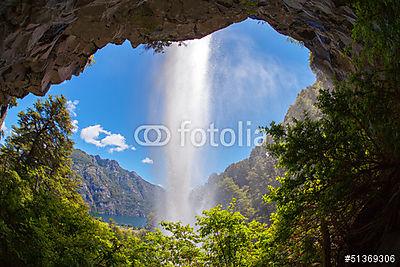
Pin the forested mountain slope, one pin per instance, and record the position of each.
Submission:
(108, 188)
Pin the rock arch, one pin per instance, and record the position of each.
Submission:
(44, 42)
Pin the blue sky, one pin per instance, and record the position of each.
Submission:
(256, 73)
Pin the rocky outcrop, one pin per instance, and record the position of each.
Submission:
(305, 104)
(45, 42)
(108, 188)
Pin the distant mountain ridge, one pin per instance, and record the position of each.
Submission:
(110, 189)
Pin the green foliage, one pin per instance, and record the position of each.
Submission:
(223, 238)
(178, 247)
(378, 31)
(159, 47)
(43, 219)
(230, 190)
(340, 168)
(228, 238)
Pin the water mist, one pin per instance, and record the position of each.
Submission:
(187, 92)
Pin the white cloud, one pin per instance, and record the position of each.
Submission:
(74, 126)
(91, 135)
(133, 148)
(147, 160)
(71, 106)
(116, 140)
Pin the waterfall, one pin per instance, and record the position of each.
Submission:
(187, 91)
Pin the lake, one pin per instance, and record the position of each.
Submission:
(123, 219)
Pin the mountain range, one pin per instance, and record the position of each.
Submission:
(110, 189)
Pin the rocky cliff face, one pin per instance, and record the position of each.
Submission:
(108, 188)
(305, 104)
(45, 42)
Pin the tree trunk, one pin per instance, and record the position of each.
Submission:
(326, 244)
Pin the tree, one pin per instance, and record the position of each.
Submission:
(43, 220)
(179, 246)
(228, 239)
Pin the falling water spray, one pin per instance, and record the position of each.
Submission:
(187, 92)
